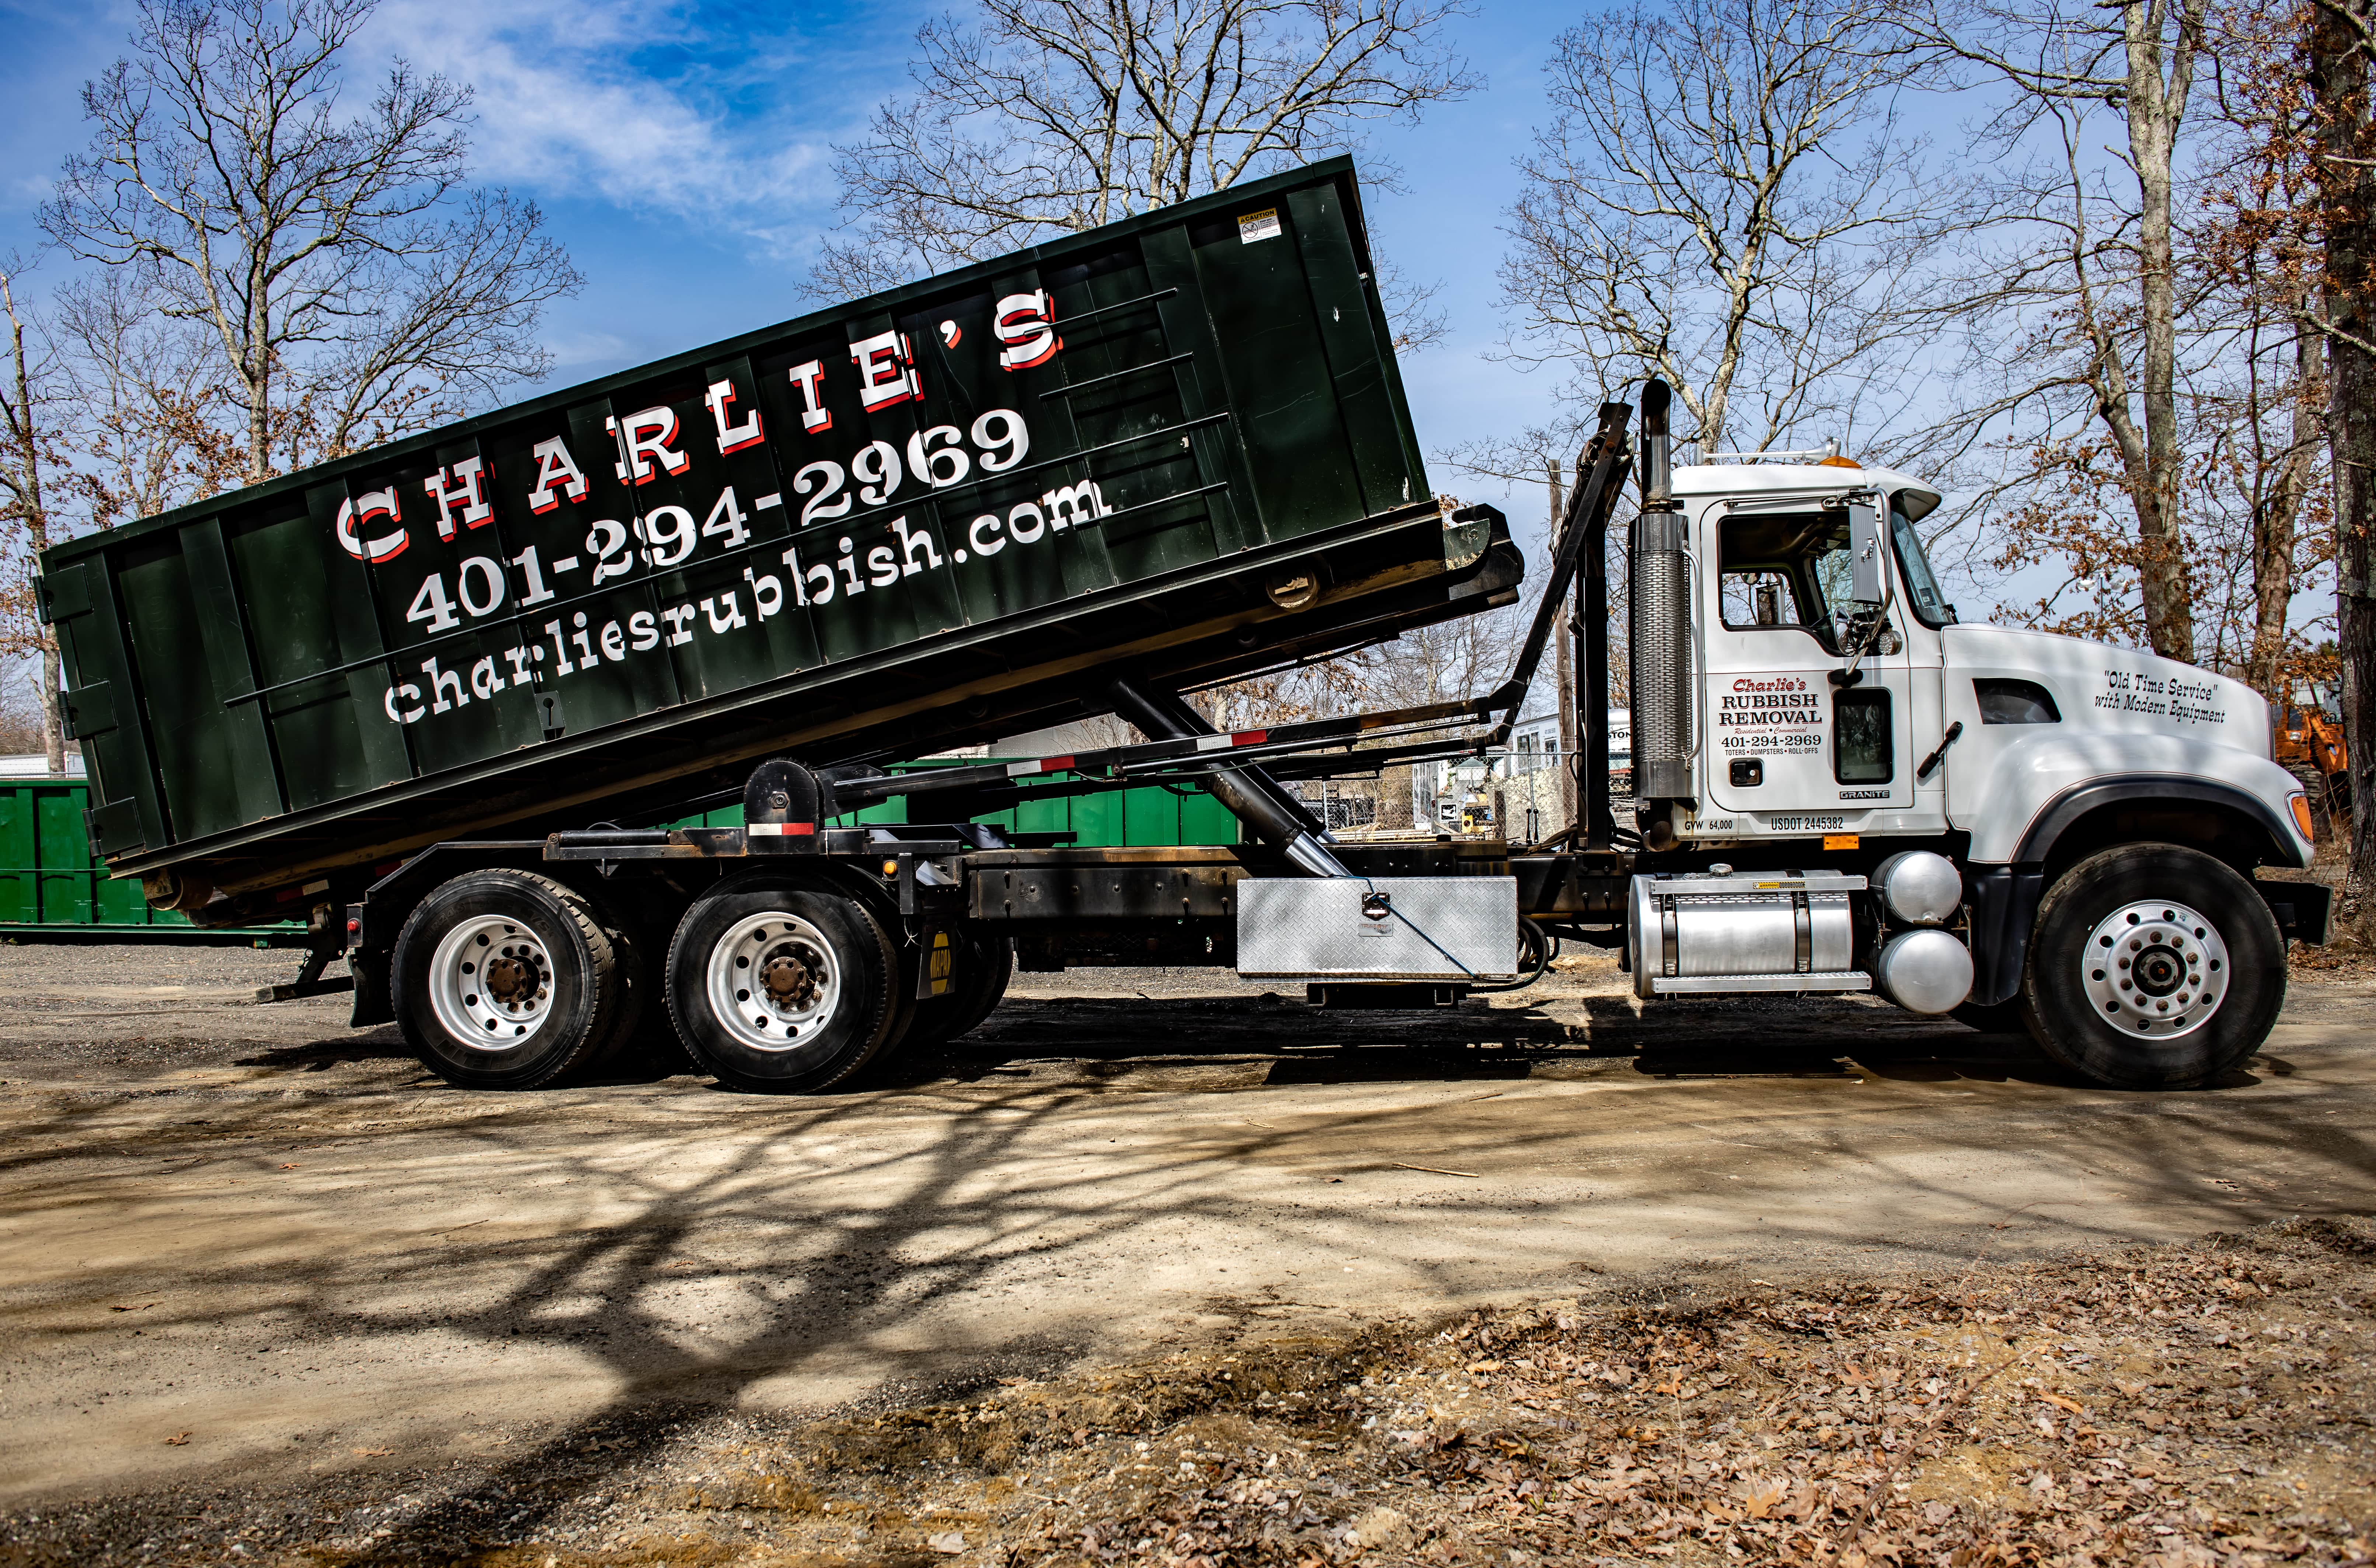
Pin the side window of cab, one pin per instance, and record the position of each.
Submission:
(1783, 570)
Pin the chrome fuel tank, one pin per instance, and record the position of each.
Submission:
(1747, 931)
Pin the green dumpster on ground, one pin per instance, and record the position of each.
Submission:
(51, 890)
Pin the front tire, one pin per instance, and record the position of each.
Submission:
(2153, 966)
(505, 979)
(783, 989)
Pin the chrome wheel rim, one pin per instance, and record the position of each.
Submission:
(2155, 969)
(773, 982)
(491, 983)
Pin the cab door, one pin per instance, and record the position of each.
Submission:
(1785, 747)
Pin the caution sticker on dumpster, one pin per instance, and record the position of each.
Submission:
(1263, 225)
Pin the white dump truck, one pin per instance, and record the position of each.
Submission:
(431, 696)
(1841, 786)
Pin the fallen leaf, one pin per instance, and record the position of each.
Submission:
(288, 1167)
(372, 1453)
(950, 1543)
(1761, 1501)
(2060, 1403)
(177, 1440)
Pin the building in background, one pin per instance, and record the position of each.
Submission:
(1516, 790)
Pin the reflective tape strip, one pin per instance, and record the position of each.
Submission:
(780, 829)
(1223, 742)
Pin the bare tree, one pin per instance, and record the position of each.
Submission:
(2339, 142)
(2079, 309)
(29, 462)
(1050, 116)
(23, 720)
(2262, 462)
(1728, 200)
(355, 288)
(148, 426)
(2256, 245)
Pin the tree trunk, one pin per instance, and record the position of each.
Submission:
(259, 431)
(34, 510)
(2154, 109)
(1566, 676)
(2275, 526)
(2338, 83)
(53, 729)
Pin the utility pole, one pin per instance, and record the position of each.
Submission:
(1566, 672)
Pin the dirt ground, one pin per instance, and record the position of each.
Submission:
(1159, 1266)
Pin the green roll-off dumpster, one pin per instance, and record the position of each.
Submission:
(50, 891)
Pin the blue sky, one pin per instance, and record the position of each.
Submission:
(682, 152)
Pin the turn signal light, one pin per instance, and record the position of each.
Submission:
(2300, 804)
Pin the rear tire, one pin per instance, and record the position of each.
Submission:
(505, 979)
(785, 990)
(2153, 966)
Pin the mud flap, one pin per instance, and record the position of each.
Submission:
(2302, 909)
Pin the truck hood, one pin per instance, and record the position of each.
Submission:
(2099, 687)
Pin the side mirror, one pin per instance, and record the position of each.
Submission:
(1864, 552)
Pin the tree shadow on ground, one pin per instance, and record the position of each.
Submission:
(746, 1239)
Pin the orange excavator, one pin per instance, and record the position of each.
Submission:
(2309, 743)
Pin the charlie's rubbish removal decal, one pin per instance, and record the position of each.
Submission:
(1771, 714)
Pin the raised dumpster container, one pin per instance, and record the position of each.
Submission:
(1176, 444)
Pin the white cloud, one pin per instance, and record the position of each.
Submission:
(567, 108)
(575, 349)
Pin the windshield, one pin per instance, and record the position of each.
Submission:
(1930, 607)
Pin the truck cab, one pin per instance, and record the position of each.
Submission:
(1805, 696)
(1788, 749)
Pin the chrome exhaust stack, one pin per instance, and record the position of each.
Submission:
(1659, 644)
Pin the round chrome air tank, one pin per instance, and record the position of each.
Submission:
(1918, 887)
(1924, 971)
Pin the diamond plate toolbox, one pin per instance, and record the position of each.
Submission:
(1429, 928)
